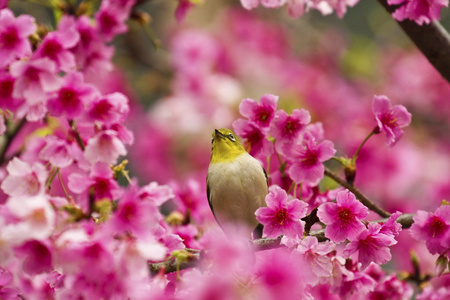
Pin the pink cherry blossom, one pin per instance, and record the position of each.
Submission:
(134, 215)
(307, 161)
(55, 279)
(91, 54)
(431, 293)
(250, 4)
(72, 97)
(155, 193)
(371, 246)
(14, 34)
(286, 128)
(34, 79)
(390, 287)
(7, 101)
(261, 113)
(190, 198)
(111, 20)
(23, 179)
(358, 283)
(182, 9)
(391, 226)
(105, 147)
(34, 219)
(37, 257)
(315, 131)
(276, 282)
(343, 218)
(56, 45)
(7, 291)
(433, 228)
(229, 255)
(315, 197)
(316, 259)
(188, 234)
(109, 109)
(391, 120)
(255, 138)
(282, 216)
(420, 11)
(59, 152)
(100, 179)
(84, 281)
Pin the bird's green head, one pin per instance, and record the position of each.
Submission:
(225, 146)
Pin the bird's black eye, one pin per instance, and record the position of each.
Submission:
(231, 136)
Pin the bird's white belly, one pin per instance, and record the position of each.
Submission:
(237, 190)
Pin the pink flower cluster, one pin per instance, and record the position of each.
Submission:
(433, 229)
(419, 11)
(297, 8)
(368, 245)
(63, 210)
(270, 132)
(68, 229)
(422, 12)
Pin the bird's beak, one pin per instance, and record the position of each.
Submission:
(217, 133)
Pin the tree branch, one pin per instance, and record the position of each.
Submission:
(432, 40)
(364, 200)
(195, 256)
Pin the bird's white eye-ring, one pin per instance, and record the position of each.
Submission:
(231, 136)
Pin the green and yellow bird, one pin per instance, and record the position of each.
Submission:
(236, 184)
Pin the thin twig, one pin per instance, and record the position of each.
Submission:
(9, 137)
(364, 200)
(77, 134)
(431, 39)
(173, 265)
(63, 186)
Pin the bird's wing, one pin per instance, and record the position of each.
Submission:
(265, 174)
(208, 194)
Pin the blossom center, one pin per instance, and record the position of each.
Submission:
(388, 119)
(368, 244)
(93, 251)
(281, 216)
(437, 227)
(128, 212)
(51, 49)
(101, 109)
(102, 188)
(309, 159)
(253, 137)
(85, 37)
(32, 74)
(6, 88)
(263, 114)
(108, 22)
(68, 97)
(292, 127)
(345, 216)
(9, 38)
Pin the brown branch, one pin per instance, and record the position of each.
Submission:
(195, 256)
(432, 40)
(172, 265)
(364, 200)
